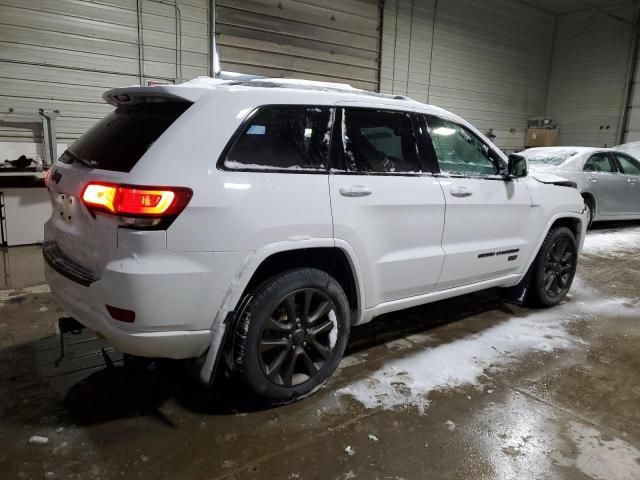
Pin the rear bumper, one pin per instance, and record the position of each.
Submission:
(87, 306)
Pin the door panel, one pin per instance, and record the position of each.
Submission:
(606, 184)
(485, 233)
(395, 231)
(384, 204)
(630, 168)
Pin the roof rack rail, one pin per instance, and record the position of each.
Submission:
(267, 82)
(241, 77)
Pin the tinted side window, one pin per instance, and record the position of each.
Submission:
(630, 166)
(459, 150)
(600, 162)
(119, 140)
(284, 138)
(379, 141)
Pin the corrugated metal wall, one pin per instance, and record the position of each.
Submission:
(632, 130)
(486, 61)
(63, 54)
(588, 77)
(333, 40)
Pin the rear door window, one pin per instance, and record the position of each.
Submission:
(283, 138)
(600, 162)
(376, 141)
(630, 166)
(119, 140)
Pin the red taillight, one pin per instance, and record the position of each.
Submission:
(121, 314)
(133, 201)
(100, 196)
(150, 203)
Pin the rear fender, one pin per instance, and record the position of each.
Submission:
(223, 321)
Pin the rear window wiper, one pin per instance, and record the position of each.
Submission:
(79, 159)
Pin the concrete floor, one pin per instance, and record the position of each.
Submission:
(469, 388)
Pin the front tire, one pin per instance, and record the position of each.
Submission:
(291, 335)
(554, 269)
(591, 210)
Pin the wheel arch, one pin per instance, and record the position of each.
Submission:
(573, 221)
(592, 197)
(337, 260)
(333, 260)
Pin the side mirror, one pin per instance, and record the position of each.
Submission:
(518, 166)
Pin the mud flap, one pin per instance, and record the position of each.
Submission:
(517, 295)
(221, 354)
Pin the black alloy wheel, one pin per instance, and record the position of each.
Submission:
(553, 270)
(559, 266)
(291, 335)
(298, 337)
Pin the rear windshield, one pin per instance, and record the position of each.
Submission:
(119, 140)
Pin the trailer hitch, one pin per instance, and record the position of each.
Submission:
(67, 325)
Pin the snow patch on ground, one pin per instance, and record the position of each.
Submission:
(600, 456)
(612, 243)
(407, 382)
(6, 295)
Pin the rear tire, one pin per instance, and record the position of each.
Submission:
(553, 269)
(291, 335)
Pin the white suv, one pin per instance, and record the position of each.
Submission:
(253, 223)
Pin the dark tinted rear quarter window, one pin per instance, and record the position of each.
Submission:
(119, 140)
(283, 137)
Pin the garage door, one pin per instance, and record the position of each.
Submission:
(331, 40)
(63, 54)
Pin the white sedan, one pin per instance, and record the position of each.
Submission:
(608, 179)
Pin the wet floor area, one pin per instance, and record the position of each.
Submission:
(468, 388)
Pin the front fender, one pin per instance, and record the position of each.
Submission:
(580, 217)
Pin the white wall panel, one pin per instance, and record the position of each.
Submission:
(588, 76)
(332, 40)
(486, 61)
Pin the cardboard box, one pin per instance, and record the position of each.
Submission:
(542, 137)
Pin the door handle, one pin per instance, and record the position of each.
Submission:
(632, 181)
(460, 192)
(593, 179)
(355, 191)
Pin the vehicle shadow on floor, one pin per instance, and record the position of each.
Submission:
(119, 392)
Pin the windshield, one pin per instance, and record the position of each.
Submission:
(549, 157)
(119, 140)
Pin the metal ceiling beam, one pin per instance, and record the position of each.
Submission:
(606, 12)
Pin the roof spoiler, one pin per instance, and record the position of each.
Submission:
(135, 94)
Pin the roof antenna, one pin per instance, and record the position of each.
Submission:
(214, 65)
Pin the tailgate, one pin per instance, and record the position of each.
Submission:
(80, 242)
(77, 240)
